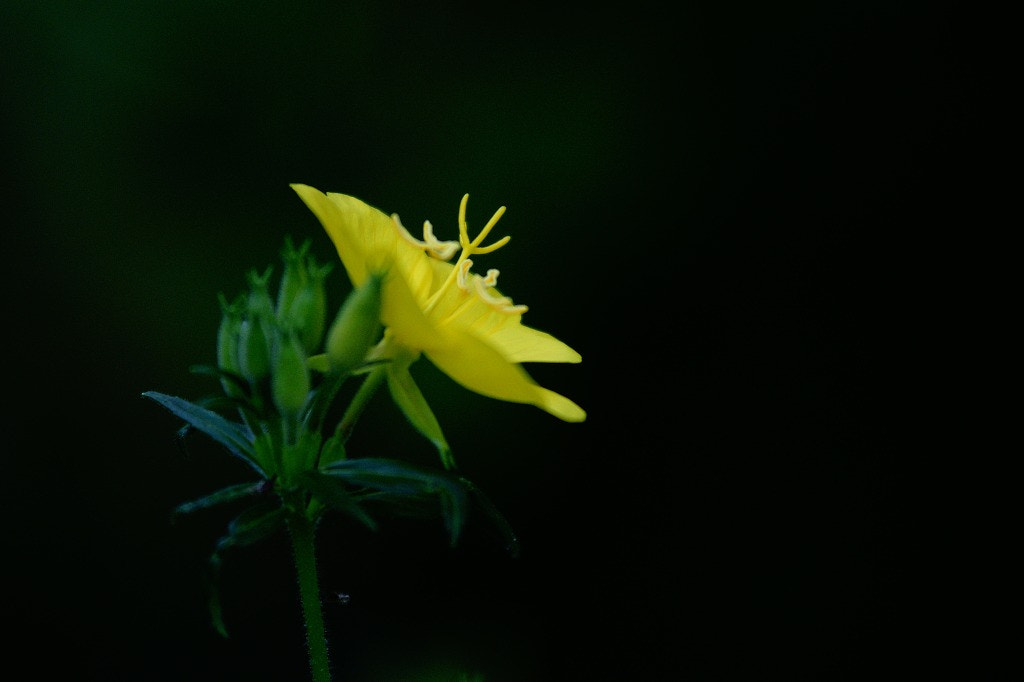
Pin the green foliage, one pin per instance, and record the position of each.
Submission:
(229, 434)
(271, 412)
(226, 495)
(388, 481)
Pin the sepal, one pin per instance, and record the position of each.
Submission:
(413, 405)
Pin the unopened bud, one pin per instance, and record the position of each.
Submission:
(253, 351)
(356, 328)
(301, 298)
(295, 277)
(308, 312)
(257, 330)
(228, 340)
(290, 382)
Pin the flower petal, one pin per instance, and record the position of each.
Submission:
(480, 367)
(367, 240)
(380, 241)
(344, 229)
(519, 343)
(403, 315)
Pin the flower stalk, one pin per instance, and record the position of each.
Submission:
(303, 535)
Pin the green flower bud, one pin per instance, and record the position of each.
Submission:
(356, 328)
(290, 383)
(314, 311)
(228, 340)
(260, 304)
(294, 279)
(257, 331)
(308, 312)
(301, 298)
(253, 351)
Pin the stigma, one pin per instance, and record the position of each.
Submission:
(483, 288)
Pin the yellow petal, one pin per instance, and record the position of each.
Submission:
(379, 239)
(519, 343)
(481, 368)
(343, 230)
(367, 240)
(514, 340)
(403, 315)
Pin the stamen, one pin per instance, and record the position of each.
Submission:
(438, 248)
(484, 292)
(460, 273)
(428, 233)
(405, 233)
(463, 274)
(431, 244)
(483, 286)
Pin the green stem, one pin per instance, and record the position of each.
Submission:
(359, 403)
(302, 534)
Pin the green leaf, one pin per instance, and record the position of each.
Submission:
(331, 491)
(252, 525)
(400, 480)
(222, 496)
(410, 400)
(229, 434)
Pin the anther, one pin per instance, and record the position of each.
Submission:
(405, 233)
(463, 274)
(484, 291)
(431, 244)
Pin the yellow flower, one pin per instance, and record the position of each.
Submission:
(454, 317)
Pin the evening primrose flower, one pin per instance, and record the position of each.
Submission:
(455, 317)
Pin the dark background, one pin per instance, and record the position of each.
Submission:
(729, 209)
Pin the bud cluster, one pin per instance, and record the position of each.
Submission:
(265, 342)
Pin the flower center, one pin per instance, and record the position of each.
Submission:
(460, 275)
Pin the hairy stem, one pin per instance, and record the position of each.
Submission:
(302, 533)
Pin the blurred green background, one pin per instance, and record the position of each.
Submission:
(711, 202)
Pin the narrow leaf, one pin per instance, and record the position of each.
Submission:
(406, 484)
(222, 496)
(453, 506)
(229, 434)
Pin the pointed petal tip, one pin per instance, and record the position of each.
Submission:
(563, 408)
